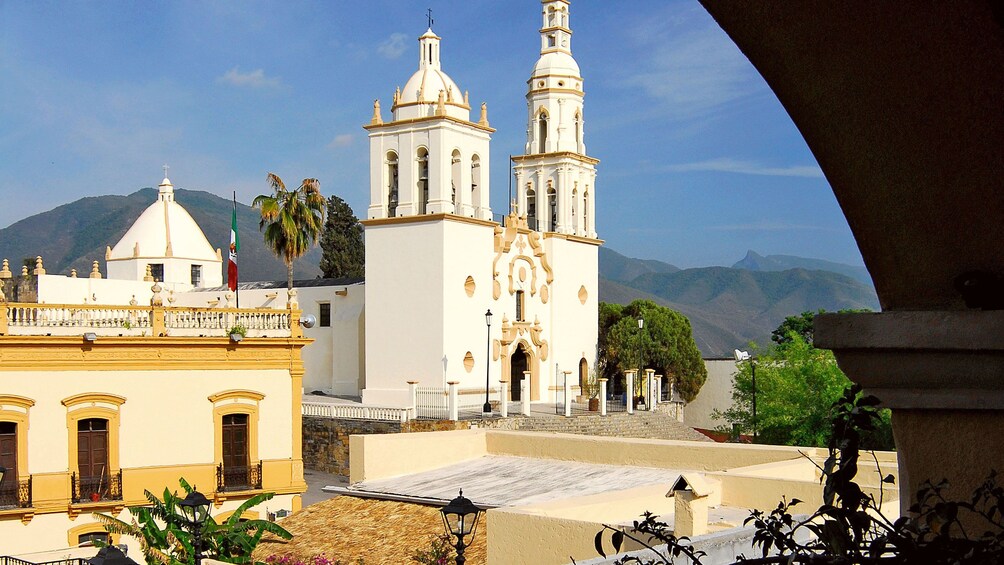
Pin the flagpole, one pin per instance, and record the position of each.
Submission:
(237, 292)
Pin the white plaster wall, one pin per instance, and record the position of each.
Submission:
(468, 251)
(573, 325)
(404, 310)
(335, 362)
(167, 418)
(716, 394)
(60, 289)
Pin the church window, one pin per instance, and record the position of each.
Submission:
(578, 132)
(157, 271)
(324, 315)
(455, 179)
(585, 212)
(575, 207)
(392, 192)
(550, 41)
(519, 306)
(475, 180)
(531, 207)
(552, 209)
(197, 275)
(542, 132)
(423, 181)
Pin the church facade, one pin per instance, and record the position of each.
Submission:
(437, 261)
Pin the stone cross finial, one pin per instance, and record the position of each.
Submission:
(39, 269)
(95, 272)
(428, 15)
(165, 170)
(5, 271)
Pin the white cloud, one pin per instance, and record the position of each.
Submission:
(692, 68)
(394, 46)
(343, 140)
(727, 165)
(251, 79)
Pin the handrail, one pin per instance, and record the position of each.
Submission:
(25, 318)
(355, 412)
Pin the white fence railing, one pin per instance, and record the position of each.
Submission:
(17, 318)
(437, 403)
(356, 412)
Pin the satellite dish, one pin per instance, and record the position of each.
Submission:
(308, 321)
(741, 355)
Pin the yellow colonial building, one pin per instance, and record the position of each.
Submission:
(100, 401)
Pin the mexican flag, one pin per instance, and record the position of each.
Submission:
(234, 246)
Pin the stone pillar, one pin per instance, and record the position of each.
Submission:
(504, 398)
(658, 388)
(940, 373)
(453, 401)
(603, 396)
(413, 392)
(629, 393)
(651, 401)
(691, 514)
(568, 393)
(524, 393)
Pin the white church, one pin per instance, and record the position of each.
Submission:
(437, 259)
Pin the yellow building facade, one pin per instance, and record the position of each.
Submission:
(134, 399)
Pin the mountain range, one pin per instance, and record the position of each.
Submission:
(727, 306)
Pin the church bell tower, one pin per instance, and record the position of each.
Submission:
(555, 178)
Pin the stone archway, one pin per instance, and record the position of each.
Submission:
(523, 357)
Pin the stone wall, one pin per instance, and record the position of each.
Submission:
(326, 440)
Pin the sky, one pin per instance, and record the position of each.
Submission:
(698, 160)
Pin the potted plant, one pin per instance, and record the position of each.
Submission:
(238, 332)
(591, 390)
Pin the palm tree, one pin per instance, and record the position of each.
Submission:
(291, 219)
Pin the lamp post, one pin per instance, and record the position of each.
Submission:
(487, 408)
(745, 356)
(641, 359)
(460, 517)
(195, 509)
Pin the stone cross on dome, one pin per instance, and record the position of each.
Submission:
(165, 167)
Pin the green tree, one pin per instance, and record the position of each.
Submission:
(796, 387)
(665, 343)
(291, 219)
(800, 325)
(165, 539)
(342, 251)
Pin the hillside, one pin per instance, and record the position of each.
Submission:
(730, 307)
(74, 235)
(727, 307)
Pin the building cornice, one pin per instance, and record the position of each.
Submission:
(426, 218)
(557, 155)
(429, 120)
(575, 238)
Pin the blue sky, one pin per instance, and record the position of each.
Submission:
(699, 161)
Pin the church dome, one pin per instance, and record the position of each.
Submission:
(556, 63)
(164, 229)
(420, 96)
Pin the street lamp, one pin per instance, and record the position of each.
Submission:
(195, 509)
(460, 517)
(487, 408)
(745, 356)
(110, 555)
(641, 360)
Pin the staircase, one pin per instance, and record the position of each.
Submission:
(651, 425)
